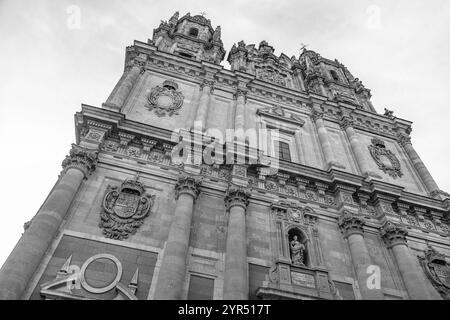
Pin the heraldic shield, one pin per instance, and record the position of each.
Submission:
(437, 270)
(124, 209)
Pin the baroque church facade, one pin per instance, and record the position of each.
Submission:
(350, 211)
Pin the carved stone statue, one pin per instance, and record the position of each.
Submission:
(217, 33)
(297, 252)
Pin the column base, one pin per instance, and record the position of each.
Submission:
(334, 165)
(110, 106)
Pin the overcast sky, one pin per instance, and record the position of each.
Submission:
(50, 64)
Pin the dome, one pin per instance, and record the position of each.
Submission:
(200, 19)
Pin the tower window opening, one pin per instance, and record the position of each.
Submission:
(334, 75)
(193, 32)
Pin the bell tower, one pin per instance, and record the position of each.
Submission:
(190, 37)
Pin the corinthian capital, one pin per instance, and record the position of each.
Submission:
(208, 83)
(403, 139)
(393, 234)
(188, 185)
(346, 122)
(82, 159)
(316, 114)
(240, 93)
(350, 224)
(237, 196)
(138, 63)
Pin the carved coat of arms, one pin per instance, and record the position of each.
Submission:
(437, 270)
(124, 209)
(165, 99)
(385, 159)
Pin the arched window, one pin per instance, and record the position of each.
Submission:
(334, 75)
(297, 247)
(193, 32)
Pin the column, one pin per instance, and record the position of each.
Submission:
(124, 86)
(28, 253)
(424, 174)
(317, 117)
(300, 150)
(352, 229)
(347, 124)
(173, 268)
(239, 118)
(207, 87)
(235, 285)
(395, 238)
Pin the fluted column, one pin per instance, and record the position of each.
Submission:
(124, 86)
(395, 238)
(239, 118)
(28, 253)
(207, 88)
(317, 117)
(173, 268)
(352, 229)
(235, 285)
(424, 174)
(347, 124)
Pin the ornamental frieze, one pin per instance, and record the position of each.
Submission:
(385, 159)
(165, 99)
(438, 271)
(293, 213)
(124, 209)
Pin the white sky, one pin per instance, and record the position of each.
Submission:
(49, 69)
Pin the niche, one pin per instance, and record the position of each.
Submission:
(298, 250)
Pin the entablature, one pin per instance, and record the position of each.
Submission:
(292, 181)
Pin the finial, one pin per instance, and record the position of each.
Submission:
(134, 282)
(65, 268)
(303, 47)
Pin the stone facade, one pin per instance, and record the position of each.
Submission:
(352, 213)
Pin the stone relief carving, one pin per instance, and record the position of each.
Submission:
(270, 75)
(385, 159)
(437, 270)
(70, 279)
(109, 145)
(165, 99)
(124, 209)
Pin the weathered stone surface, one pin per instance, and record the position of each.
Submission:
(325, 116)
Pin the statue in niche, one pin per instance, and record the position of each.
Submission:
(297, 251)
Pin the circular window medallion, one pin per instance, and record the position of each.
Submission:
(110, 286)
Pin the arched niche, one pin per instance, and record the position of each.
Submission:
(289, 220)
(298, 246)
